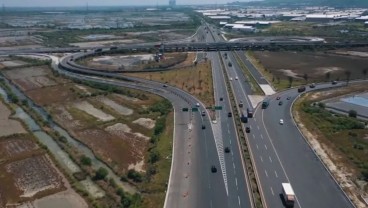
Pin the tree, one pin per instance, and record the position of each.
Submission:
(101, 174)
(328, 76)
(134, 175)
(348, 75)
(305, 76)
(291, 79)
(85, 160)
(365, 71)
(353, 113)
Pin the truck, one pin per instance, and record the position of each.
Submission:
(249, 113)
(265, 104)
(288, 195)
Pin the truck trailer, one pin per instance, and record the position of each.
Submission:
(288, 194)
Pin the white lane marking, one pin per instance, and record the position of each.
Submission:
(266, 146)
(234, 165)
(228, 131)
(255, 119)
(236, 182)
(254, 136)
(261, 136)
(270, 158)
(272, 192)
(266, 173)
(276, 174)
(257, 127)
(239, 200)
(261, 158)
(250, 126)
(230, 141)
(257, 146)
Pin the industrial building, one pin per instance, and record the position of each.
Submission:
(172, 3)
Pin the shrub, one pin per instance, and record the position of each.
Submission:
(353, 113)
(154, 156)
(101, 174)
(134, 175)
(85, 160)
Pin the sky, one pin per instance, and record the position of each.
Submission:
(54, 3)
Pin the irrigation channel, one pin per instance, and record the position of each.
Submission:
(60, 155)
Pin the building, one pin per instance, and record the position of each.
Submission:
(172, 3)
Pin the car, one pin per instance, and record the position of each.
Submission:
(312, 85)
(229, 114)
(213, 169)
(281, 121)
(288, 98)
(165, 85)
(227, 149)
(236, 78)
(334, 82)
(197, 105)
(280, 103)
(240, 104)
(221, 99)
(231, 79)
(230, 64)
(247, 129)
(203, 113)
(203, 127)
(278, 98)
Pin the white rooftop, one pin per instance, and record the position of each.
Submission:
(288, 189)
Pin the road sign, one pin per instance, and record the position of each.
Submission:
(194, 109)
(218, 107)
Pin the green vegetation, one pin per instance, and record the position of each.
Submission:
(135, 176)
(85, 160)
(345, 134)
(101, 174)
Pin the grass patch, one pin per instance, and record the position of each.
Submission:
(197, 80)
(277, 83)
(253, 83)
(158, 184)
(346, 136)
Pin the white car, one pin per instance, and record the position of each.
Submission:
(281, 121)
(197, 105)
(231, 79)
(236, 78)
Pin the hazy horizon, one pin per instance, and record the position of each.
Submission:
(78, 3)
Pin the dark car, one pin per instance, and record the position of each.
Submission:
(230, 64)
(288, 98)
(203, 127)
(334, 82)
(221, 99)
(213, 169)
(165, 85)
(203, 113)
(229, 114)
(278, 98)
(312, 85)
(280, 103)
(247, 129)
(227, 149)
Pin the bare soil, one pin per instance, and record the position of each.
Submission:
(9, 126)
(315, 64)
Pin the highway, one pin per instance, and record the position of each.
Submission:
(280, 152)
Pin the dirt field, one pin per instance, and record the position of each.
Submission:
(197, 80)
(26, 171)
(9, 126)
(318, 66)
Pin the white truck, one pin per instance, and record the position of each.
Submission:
(288, 194)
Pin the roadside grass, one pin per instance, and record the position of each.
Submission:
(197, 80)
(156, 188)
(343, 138)
(253, 83)
(278, 84)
